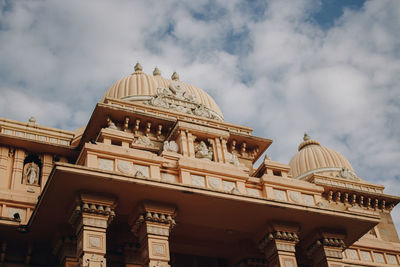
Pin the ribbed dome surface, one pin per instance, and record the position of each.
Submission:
(313, 156)
(142, 84)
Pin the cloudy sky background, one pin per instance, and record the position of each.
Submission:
(329, 68)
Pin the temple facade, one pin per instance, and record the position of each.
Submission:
(158, 178)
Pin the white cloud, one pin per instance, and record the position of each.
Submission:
(276, 71)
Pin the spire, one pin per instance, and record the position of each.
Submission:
(156, 72)
(307, 141)
(138, 67)
(175, 76)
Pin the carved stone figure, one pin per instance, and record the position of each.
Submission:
(159, 101)
(202, 151)
(178, 89)
(232, 159)
(202, 111)
(347, 174)
(170, 146)
(111, 124)
(32, 173)
(175, 97)
(144, 140)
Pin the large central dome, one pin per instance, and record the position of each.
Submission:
(140, 86)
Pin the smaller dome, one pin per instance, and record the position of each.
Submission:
(314, 158)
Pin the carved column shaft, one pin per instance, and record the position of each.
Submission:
(91, 218)
(17, 169)
(224, 149)
(190, 143)
(182, 142)
(46, 169)
(4, 161)
(152, 227)
(219, 152)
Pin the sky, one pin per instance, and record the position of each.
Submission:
(330, 68)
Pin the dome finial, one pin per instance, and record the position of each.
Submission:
(32, 119)
(306, 137)
(175, 76)
(138, 67)
(156, 71)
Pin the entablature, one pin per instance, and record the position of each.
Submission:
(34, 132)
(356, 195)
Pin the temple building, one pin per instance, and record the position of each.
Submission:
(158, 178)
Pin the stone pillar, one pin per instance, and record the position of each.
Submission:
(326, 250)
(46, 169)
(190, 142)
(152, 227)
(182, 143)
(91, 217)
(218, 149)
(19, 156)
(4, 156)
(279, 245)
(224, 150)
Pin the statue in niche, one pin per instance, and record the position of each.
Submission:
(202, 151)
(111, 124)
(171, 146)
(32, 173)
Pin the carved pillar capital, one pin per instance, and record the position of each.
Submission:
(91, 216)
(279, 244)
(152, 225)
(326, 249)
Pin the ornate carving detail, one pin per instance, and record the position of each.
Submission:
(105, 164)
(89, 259)
(90, 208)
(171, 146)
(232, 159)
(111, 124)
(151, 229)
(346, 173)
(214, 183)
(141, 171)
(202, 151)
(278, 235)
(125, 166)
(161, 218)
(178, 90)
(143, 140)
(198, 180)
(327, 242)
(295, 196)
(176, 98)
